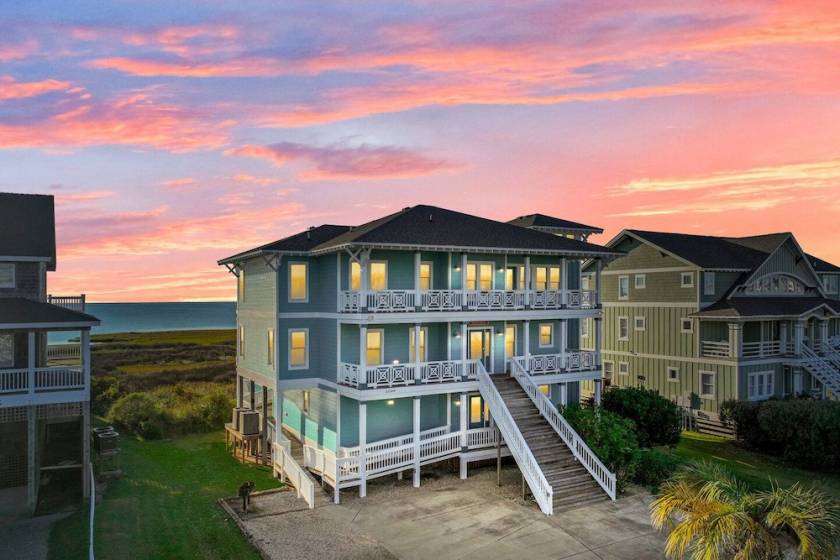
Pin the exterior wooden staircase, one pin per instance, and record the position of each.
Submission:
(572, 485)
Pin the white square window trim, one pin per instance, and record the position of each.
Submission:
(623, 287)
(708, 283)
(623, 368)
(686, 326)
(305, 364)
(299, 297)
(639, 323)
(674, 374)
(707, 384)
(550, 334)
(641, 281)
(687, 280)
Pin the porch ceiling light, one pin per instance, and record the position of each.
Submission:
(390, 402)
(396, 362)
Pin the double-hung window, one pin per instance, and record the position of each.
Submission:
(298, 282)
(687, 280)
(510, 341)
(298, 348)
(7, 350)
(708, 283)
(546, 278)
(355, 277)
(426, 276)
(707, 384)
(480, 276)
(623, 287)
(378, 276)
(641, 281)
(374, 347)
(546, 335)
(623, 328)
(270, 347)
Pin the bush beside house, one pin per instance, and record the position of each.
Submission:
(803, 432)
(658, 421)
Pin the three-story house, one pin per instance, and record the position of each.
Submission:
(387, 346)
(44, 389)
(707, 319)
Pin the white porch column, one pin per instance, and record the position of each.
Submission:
(362, 356)
(564, 394)
(84, 337)
(86, 449)
(599, 264)
(449, 341)
(463, 411)
(416, 480)
(564, 282)
(824, 335)
(798, 337)
(564, 341)
(362, 449)
(30, 360)
(598, 338)
(337, 424)
(526, 342)
(31, 458)
(364, 280)
(597, 391)
(418, 357)
(418, 302)
(448, 412)
(735, 340)
(527, 281)
(463, 350)
(464, 280)
(783, 336)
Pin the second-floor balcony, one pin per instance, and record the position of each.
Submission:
(572, 361)
(41, 380)
(403, 301)
(405, 374)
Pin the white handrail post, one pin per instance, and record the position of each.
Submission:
(85, 356)
(526, 341)
(464, 281)
(463, 429)
(527, 281)
(416, 423)
(418, 358)
(598, 341)
(362, 449)
(463, 350)
(599, 264)
(417, 293)
(30, 360)
(362, 377)
(564, 282)
(564, 342)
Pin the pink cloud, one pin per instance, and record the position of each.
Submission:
(135, 119)
(183, 182)
(348, 163)
(12, 89)
(254, 180)
(18, 50)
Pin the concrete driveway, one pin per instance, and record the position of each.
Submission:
(450, 518)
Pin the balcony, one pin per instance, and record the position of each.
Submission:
(406, 374)
(73, 303)
(45, 379)
(573, 361)
(405, 301)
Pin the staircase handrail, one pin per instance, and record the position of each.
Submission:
(582, 452)
(531, 471)
(827, 374)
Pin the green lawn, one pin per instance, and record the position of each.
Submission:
(754, 468)
(165, 504)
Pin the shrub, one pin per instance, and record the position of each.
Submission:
(138, 413)
(654, 467)
(610, 436)
(803, 432)
(658, 421)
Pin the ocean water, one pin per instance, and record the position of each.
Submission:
(150, 317)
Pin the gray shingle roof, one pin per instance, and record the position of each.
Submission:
(21, 311)
(541, 220)
(431, 226)
(765, 307)
(823, 266)
(27, 226)
(298, 243)
(705, 251)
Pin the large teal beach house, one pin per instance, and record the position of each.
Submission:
(420, 337)
(707, 319)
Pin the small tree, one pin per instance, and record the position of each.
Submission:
(713, 515)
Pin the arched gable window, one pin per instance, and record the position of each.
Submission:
(779, 284)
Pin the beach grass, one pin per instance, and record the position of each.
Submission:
(168, 338)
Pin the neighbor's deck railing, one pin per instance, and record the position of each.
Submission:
(45, 379)
(75, 303)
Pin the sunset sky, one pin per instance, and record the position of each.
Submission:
(173, 134)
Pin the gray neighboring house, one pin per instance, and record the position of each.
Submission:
(706, 319)
(44, 389)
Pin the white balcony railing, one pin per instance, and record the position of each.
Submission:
(714, 349)
(74, 303)
(572, 361)
(64, 352)
(401, 301)
(762, 349)
(410, 373)
(46, 379)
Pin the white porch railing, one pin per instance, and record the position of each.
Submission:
(481, 437)
(410, 373)
(572, 361)
(570, 437)
(528, 465)
(762, 349)
(74, 303)
(62, 352)
(395, 301)
(295, 474)
(712, 349)
(46, 379)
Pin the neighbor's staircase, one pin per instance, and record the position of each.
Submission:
(558, 466)
(827, 372)
(571, 483)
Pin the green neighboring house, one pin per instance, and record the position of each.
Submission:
(706, 319)
(376, 349)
